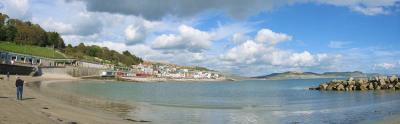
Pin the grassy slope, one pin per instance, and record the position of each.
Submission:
(31, 50)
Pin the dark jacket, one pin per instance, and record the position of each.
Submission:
(19, 82)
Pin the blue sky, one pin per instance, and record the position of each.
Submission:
(241, 37)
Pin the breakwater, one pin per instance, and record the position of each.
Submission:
(351, 84)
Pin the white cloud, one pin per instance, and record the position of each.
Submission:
(248, 52)
(87, 24)
(15, 8)
(169, 41)
(253, 55)
(370, 10)
(226, 31)
(60, 27)
(277, 57)
(188, 38)
(239, 38)
(338, 44)
(385, 66)
(273, 38)
(84, 24)
(302, 59)
(135, 34)
(366, 7)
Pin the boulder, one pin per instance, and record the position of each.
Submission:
(397, 86)
(323, 86)
(363, 87)
(351, 87)
(350, 79)
(340, 87)
(378, 87)
(386, 86)
(381, 82)
(393, 79)
(371, 86)
(329, 87)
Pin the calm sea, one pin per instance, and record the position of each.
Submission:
(241, 102)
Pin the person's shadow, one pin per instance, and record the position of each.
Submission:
(29, 98)
(3, 97)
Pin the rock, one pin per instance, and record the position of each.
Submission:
(350, 79)
(378, 88)
(393, 79)
(397, 86)
(371, 86)
(382, 82)
(379, 83)
(323, 86)
(375, 83)
(363, 87)
(329, 87)
(386, 86)
(376, 78)
(340, 87)
(351, 87)
(351, 83)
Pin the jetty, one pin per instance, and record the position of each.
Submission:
(351, 84)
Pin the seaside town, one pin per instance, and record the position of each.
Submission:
(42, 65)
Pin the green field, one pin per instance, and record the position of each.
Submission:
(31, 50)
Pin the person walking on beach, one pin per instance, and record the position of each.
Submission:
(20, 87)
(8, 76)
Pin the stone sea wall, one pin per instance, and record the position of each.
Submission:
(376, 83)
(73, 71)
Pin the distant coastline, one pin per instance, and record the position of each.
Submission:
(312, 75)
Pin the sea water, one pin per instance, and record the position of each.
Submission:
(241, 102)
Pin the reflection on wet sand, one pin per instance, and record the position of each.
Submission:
(88, 102)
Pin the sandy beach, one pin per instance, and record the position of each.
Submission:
(36, 108)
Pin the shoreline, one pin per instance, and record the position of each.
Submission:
(40, 108)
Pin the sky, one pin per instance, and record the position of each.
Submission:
(244, 37)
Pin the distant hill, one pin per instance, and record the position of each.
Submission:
(311, 75)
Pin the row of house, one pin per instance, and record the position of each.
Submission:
(30, 60)
(23, 59)
(171, 71)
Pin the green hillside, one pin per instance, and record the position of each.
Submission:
(31, 50)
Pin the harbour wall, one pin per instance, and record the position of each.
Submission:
(72, 71)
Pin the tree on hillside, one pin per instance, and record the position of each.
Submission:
(27, 33)
(3, 30)
(3, 18)
(55, 39)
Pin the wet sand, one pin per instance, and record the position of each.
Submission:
(36, 108)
